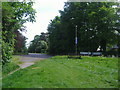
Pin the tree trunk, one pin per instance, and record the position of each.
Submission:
(103, 46)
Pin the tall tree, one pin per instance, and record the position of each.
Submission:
(96, 23)
(20, 43)
(14, 15)
(39, 44)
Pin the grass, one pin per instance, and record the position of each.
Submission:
(11, 66)
(15, 59)
(21, 53)
(61, 72)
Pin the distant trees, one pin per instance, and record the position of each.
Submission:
(39, 44)
(14, 15)
(20, 43)
(96, 23)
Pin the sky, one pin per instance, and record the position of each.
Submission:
(46, 11)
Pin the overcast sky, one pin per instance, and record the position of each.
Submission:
(46, 11)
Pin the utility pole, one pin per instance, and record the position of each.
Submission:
(76, 41)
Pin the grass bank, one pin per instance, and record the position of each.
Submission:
(11, 66)
(61, 72)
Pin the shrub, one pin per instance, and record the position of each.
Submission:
(7, 51)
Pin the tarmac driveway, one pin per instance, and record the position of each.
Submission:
(31, 58)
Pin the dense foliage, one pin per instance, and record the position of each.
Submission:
(97, 26)
(39, 44)
(20, 43)
(14, 15)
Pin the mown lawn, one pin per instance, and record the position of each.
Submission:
(61, 72)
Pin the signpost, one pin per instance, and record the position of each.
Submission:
(76, 41)
(76, 55)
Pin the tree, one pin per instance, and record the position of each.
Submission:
(14, 15)
(55, 35)
(96, 23)
(20, 43)
(39, 44)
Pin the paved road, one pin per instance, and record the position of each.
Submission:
(35, 55)
(31, 58)
(28, 60)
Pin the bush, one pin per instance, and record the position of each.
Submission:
(111, 52)
(7, 51)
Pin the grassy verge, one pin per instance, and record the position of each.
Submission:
(9, 67)
(61, 72)
(20, 53)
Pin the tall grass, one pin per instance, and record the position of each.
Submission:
(11, 66)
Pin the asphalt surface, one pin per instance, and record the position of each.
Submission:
(35, 55)
(31, 58)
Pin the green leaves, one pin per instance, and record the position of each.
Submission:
(95, 20)
(39, 44)
(7, 52)
(14, 15)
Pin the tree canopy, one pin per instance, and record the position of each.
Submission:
(96, 23)
(39, 44)
(14, 15)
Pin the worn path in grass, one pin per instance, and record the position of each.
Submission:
(31, 58)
